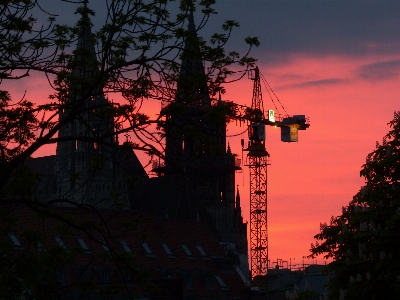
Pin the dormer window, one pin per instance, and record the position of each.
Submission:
(125, 246)
(14, 239)
(83, 245)
(187, 251)
(168, 250)
(104, 245)
(202, 252)
(221, 282)
(60, 242)
(147, 249)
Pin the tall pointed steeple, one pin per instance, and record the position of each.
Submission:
(237, 202)
(195, 147)
(87, 142)
(228, 150)
(195, 138)
(85, 53)
(191, 56)
(84, 41)
(192, 82)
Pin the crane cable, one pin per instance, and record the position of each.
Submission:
(270, 90)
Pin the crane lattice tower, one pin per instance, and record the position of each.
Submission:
(257, 163)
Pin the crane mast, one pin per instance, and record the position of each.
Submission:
(257, 163)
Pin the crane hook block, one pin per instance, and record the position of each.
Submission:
(289, 134)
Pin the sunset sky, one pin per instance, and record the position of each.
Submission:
(337, 62)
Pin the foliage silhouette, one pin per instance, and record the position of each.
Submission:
(135, 53)
(364, 241)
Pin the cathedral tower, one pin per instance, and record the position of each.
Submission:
(85, 170)
(196, 145)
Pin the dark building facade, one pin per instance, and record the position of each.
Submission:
(196, 183)
(89, 163)
(197, 179)
(170, 262)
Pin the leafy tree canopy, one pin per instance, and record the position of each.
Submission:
(364, 242)
(136, 52)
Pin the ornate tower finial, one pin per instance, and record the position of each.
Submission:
(192, 82)
(85, 50)
(229, 151)
(237, 204)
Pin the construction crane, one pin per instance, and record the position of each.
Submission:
(257, 163)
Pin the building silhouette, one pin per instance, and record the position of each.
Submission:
(195, 183)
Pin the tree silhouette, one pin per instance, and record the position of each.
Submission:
(364, 241)
(135, 53)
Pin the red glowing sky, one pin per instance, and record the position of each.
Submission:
(311, 180)
(337, 62)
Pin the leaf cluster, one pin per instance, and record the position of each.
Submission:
(135, 53)
(364, 242)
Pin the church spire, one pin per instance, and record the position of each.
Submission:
(85, 35)
(237, 202)
(86, 63)
(192, 82)
(90, 134)
(85, 51)
(191, 26)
